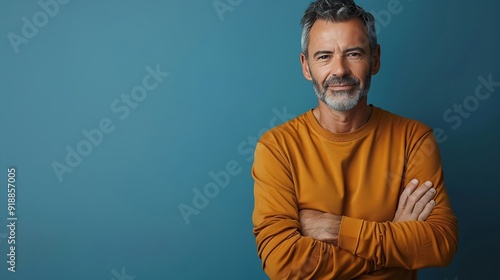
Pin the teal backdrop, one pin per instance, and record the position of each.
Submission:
(127, 128)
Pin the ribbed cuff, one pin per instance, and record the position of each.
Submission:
(350, 229)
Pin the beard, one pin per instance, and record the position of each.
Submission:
(341, 100)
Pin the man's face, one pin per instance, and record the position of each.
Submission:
(340, 63)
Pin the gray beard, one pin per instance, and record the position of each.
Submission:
(342, 100)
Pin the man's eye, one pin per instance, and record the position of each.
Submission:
(354, 56)
(323, 57)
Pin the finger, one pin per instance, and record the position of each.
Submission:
(427, 211)
(403, 198)
(409, 189)
(422, 203)
(415, 197)
(421, 190)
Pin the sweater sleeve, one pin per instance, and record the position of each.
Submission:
(285, 253)
(413, 244)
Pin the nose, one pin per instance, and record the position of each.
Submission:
(339, 66)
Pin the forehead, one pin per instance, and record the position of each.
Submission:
(327, 34)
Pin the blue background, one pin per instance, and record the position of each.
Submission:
(117, 213)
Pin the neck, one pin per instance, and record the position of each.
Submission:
(343, 122)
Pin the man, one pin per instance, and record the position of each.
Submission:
(348, 190)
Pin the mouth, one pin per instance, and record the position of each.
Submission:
(340, 86)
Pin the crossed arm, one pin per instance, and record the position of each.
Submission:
(296, 243)
(415, 204)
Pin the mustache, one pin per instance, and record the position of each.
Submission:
(347, 80)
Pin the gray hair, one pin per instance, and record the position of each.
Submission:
(336, 11)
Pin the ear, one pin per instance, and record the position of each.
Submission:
(376, 60)
(305, 67)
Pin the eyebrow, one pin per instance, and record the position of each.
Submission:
(319, 53)
(355, 49)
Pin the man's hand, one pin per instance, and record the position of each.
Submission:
(320, 226)
(415, 204)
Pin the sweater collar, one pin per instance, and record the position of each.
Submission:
(344, 137)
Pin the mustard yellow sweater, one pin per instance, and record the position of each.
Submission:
(359, 175)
